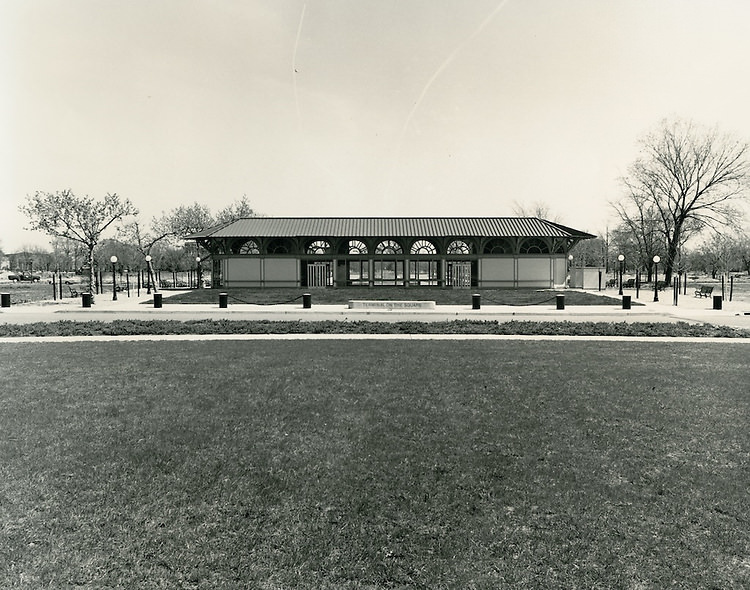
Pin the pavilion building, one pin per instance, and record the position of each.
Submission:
(455, 252)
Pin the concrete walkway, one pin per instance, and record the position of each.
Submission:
(689, 309)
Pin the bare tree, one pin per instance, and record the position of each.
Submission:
(81, 219)
(686, 179)
(536, 209)
(639, 232)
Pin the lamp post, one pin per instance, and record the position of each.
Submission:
(570, 269)
(148, 274)
(621, 258)
(198, 274)
(113, 260)
(656, 278)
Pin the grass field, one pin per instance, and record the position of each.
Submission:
(333, 296)
(526, 296)
(28, 292)
(374, 465)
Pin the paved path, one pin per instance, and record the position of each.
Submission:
(689, 309)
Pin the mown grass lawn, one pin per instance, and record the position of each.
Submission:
(382, 464)
(341, 295)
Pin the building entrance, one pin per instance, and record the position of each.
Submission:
(319, 274)
(458, 274)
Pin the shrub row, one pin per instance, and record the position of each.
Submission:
(173, 327)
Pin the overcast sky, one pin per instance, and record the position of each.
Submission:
(356, 107)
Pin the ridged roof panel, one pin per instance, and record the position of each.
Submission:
(339, 227)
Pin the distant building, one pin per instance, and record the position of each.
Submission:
(458, 252)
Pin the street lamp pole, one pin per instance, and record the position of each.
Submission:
(570, 269)
(621, 258)
(113, 260)
(656, 278)
(198, 265)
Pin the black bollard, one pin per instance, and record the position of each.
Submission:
(157, 300)
(306, 301)
(626, 301)
(86, 299)
(223, 300)
(717, 301)
(560, 301)
(476, 301)
(5, 299)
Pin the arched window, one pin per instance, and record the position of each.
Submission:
(249, 247)
(389, 247)
(318, 247)
(459, 247)
(357, 247)
(498, 246)
(423, 247)
(280, 246)
(534, 246)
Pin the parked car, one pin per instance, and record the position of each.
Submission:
(24, 276)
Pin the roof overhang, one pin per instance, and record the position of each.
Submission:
(364, 227)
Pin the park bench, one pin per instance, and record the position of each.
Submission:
(74, 292)
(629, 284)
(611, 282)
(704, 291)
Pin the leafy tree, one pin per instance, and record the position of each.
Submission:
(236, 210)
(144, 242)
(68, 254)
(81, 219)
(183, 220)
(590, 252)
(685, 180)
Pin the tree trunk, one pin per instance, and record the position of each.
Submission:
(91, 271)
(673, 245)
(151, 276)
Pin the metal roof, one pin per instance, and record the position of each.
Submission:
(341, 227)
